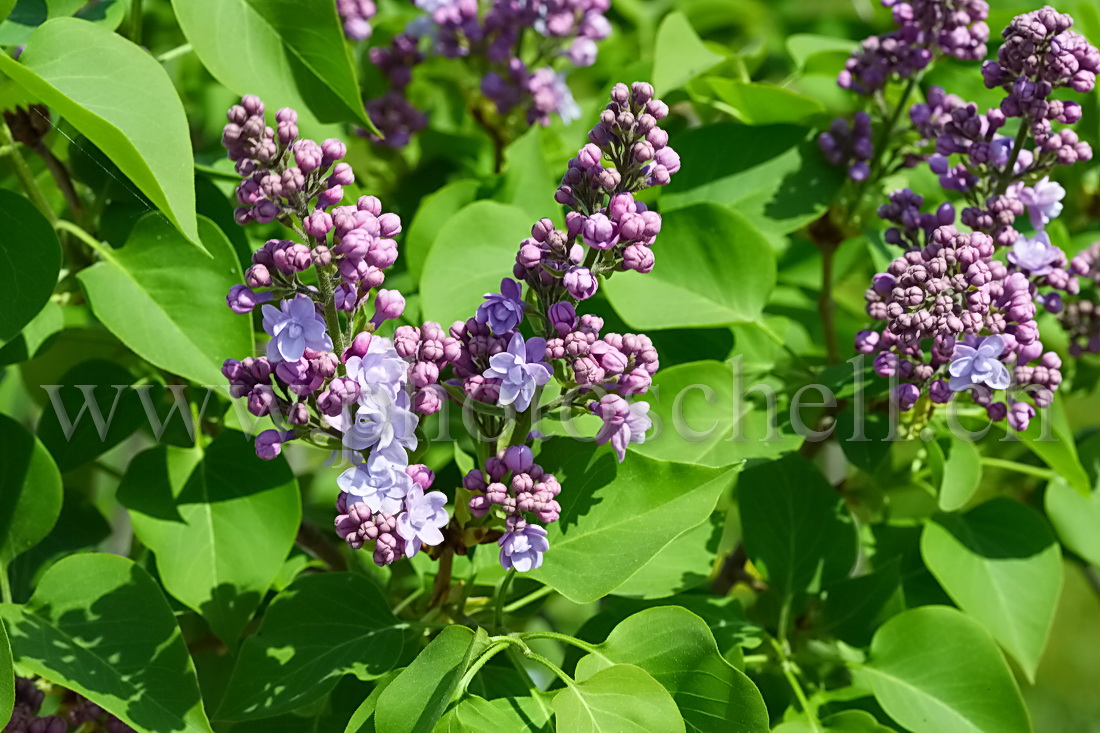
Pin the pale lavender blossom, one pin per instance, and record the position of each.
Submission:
(424, 516)
(522, 548)
(979, 365)
(383, 423)
(294, 327)
(521, 370)
(379, 367)
(380, 483)
(1036, 255)
(1043, 202)
(623, 423)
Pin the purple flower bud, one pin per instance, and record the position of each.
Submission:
(269, 444)
(308, 155)
(242, 299)
(563, 317)
(388, 305)
(518, 458)
(580, 282)
(299, 414)
(261, 399)
(638, 258)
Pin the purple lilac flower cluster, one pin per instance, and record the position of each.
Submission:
(490, 37)
(75, 713)
(925, 27)
(959, 321)
(316, 378)
(1080, 316)
(356, 15)
(849, 144)
(488, 365)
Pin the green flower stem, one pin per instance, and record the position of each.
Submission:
(24, 174)
(502, 593)
(5, 584)
(1021, 137)
(63, 225)
(499, 644)
(787, 666)
(332, 319)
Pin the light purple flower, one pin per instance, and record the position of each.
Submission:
(380, 483)
(522, 548)
(379, 367)
(981, 365)
(623, 422)
(1043, 202)
(422, 519)
(383, 423)
(1036, 255)
(521, 370)
(503, 311)
(294, 327)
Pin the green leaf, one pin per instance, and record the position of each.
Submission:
(433, 213)
(288, 52)
(98, 625)
(511, 714)
(1075, 518)
(675, 646)
(93, 410)
(957, 468)
(7, 675)
(1002, 565)
(665, 500)
(528, 180)
(755, 103)
(474, 247)
(1056, 446)
(684, 563)
(773, 175)
(147, 294)
(416, 699)
(718, 269)
(35, 337)
(846, 721)
(934, 670)
(362, 721)
(693, 407)
(189, 507)
(121, 99)
(814, 54)
(32, 260)
(26, 15)
(619, 699)
(796, 528)
(680, 55)
(316, 631)
(855, 607)
(30, 491)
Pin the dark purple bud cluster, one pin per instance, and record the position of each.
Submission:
(355, 15)
(488, 39)
(942, 304)
(849, 145)
(1080, 316)
(913, 228)
(925, 27)
(74, 710)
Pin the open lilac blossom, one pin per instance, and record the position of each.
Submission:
(294, 326)
(378, 367)
(1043, 201)
(623, 422)
(521, 370)
(424, 516)
(1036, 255)
(521, 548)
(383, 423)
(503, 311)
(979, 365)
(380, 483)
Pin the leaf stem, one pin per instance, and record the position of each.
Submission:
(24, 174)
(5, 584)
(826, 308)
(529, 598)
(135, 26)
(787, 666)
(173, 53)
(564, 638)
(1044, 473)
(103, 250)
(498, 645)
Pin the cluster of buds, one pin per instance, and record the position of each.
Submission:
(515, 77)
(849, 145)
(355, 16)
(925, 27)
(75, 713)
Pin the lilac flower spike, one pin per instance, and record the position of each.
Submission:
(982, 365)
(422, 519)
(503, 311)
(384, 424)
(1043, 202)
(380, 483)
(294, 327)
(1036, 255)
(521, 369)
(522, 548)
